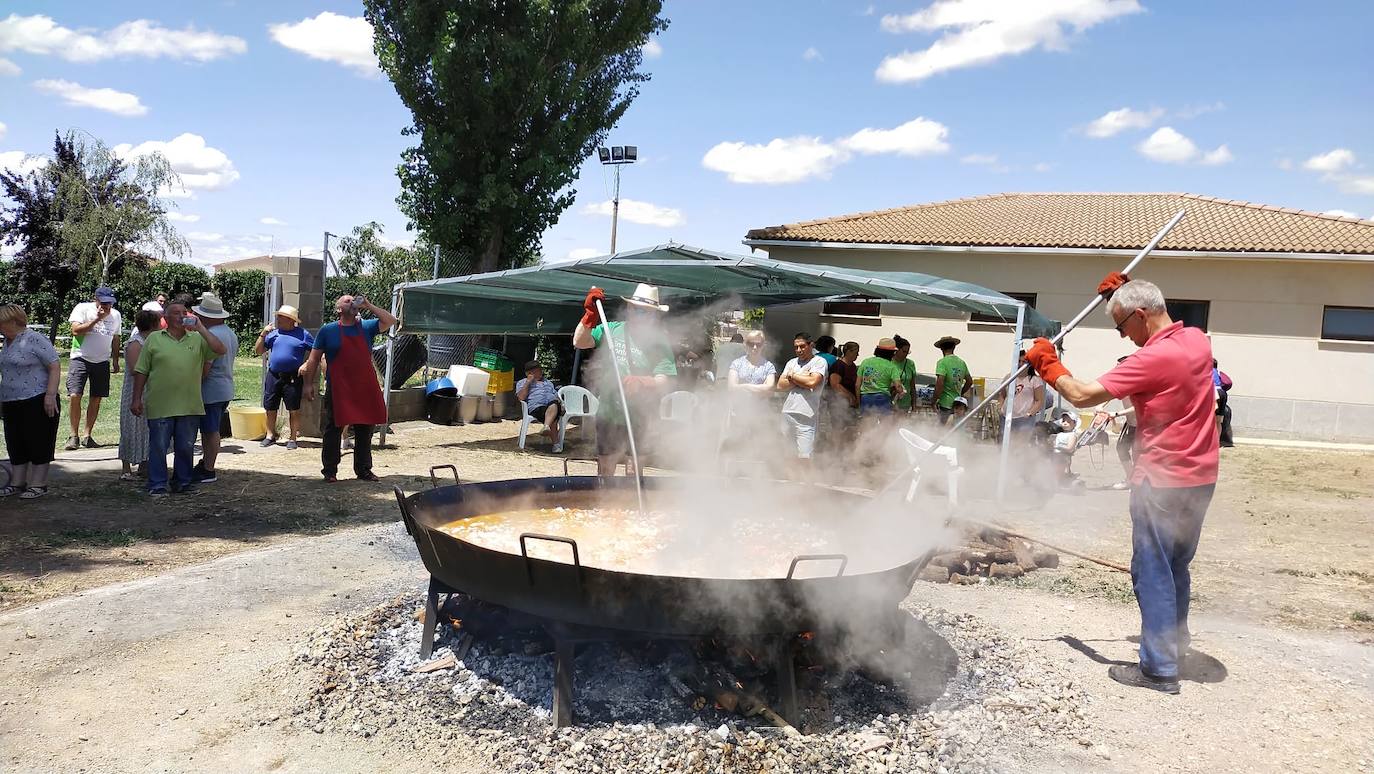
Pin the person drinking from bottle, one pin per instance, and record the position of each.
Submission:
(167, 393)
(352, 394)
(1169, 382)
(645, 362)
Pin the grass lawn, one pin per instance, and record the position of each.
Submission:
(247, 390)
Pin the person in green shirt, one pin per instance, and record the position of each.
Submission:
(879, 380)
(902, 359)
(952, 378)
(645, 362)
(167, 392)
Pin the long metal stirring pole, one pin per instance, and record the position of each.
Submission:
(620, 385)
(1070, 325)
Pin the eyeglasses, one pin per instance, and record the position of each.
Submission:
(1122, 324)
(753, 344)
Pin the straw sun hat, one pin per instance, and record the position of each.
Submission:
(646, 296)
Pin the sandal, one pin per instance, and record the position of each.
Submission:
(10, 490)
(33, 493)
(129, 477)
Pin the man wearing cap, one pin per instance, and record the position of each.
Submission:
(541, 401)
(217, 387)
(95, 354)
(645, 362)
(952, 378)
(1169, 383)
(289, 345)
(352, 394)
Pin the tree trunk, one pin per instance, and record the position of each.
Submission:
(490, 259)
(54, 320)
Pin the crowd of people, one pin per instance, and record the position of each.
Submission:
(178, 360)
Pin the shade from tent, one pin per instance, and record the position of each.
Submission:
(547, 299)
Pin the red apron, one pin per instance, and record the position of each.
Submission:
(357, 397)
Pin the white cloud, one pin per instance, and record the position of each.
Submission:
(812, 54)
(793, 159)
(3, 130)
(139, 38)
(979, 158)
(975, 32)
(1193, 111)
(1355, 184)
(1331, 161)
(782, 160)
(121, 103)
(181, 217)
(20, 162)
(917, 137)
(652, 50)
(644, 213)
(1114, 122)
(584, 252)
(271, 221)
(8, 69)
(1220, 155)
(1168, 146)
(204, 236)
(200, 166)
(345, 40)
(1341, 213)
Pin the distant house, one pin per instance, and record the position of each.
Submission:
(259, 262)
(1286, 296)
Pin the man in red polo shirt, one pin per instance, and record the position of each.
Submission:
(1169, 381)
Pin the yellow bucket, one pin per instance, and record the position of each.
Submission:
(248, 423)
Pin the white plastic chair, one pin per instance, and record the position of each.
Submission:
(680, 406)
(577, 402)
(525, 420)
(921, 452)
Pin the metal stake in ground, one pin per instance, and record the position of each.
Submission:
(620, 386)
(1058, 337)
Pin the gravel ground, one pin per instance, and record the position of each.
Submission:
(1002, 698)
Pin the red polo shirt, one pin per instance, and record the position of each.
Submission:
(1169, 381)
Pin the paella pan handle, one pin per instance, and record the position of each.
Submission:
(524, 551)
(405, 512)
(434, 480)
(841, 558)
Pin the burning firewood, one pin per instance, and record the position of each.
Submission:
(446, 661)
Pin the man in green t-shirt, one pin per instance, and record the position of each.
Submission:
(952, 378)
(880, 380)
(167, 393)
(645, 362)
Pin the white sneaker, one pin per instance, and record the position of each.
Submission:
(558, 448)
(1121, 486)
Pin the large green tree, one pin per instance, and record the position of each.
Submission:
(509, 97)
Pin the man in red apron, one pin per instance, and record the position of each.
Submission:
(352, 395)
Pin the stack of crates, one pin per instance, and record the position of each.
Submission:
(500, 367)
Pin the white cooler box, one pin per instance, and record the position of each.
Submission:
(471, 382)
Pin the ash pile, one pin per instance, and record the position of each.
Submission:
(987, 553)
(960, 697)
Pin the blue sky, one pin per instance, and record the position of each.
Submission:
(759, 112)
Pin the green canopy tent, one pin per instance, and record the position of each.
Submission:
(547, 299)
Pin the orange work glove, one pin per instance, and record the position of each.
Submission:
(589, 315)
(1045, 360)
(1110, 283)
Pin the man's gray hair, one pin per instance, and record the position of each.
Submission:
(1137, 294)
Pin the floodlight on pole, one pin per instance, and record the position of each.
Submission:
(615, 156)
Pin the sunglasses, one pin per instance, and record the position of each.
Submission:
(753, 344)
(1122, 324)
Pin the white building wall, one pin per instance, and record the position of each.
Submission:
(1264, 320)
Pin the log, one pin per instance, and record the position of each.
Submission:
(1025, 557)
(935, 574)
(1005, 571)
(962, 580)
(464, 645)
(1047, 559)
(445, 661)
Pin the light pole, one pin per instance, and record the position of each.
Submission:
(616, 156)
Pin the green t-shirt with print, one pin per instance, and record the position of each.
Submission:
(955, 371)
(876, 376)
(908, 380)
(649, 355)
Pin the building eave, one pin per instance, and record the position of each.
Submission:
(1080, 251)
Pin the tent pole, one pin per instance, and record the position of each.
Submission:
(386, 386)
(577, 365)
(1007, 404)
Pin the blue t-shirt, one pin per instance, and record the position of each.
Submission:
(287, 350)
(218, 385)
(829, 360)
(330, 337)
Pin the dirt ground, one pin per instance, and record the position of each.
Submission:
(110, 600)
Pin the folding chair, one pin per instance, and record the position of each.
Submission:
(920, 452)
(577, 402)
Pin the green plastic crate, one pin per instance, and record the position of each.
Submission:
(492, 360)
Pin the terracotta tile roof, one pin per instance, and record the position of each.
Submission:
(1092, 220)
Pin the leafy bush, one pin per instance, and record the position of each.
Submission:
(242, 294)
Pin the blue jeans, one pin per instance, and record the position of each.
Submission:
(875, 402)
(180, 434)
(1166, 523)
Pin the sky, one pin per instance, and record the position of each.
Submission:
(758, 112)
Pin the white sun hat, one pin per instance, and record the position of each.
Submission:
(646, 296)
